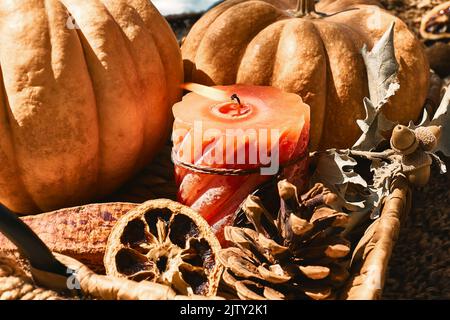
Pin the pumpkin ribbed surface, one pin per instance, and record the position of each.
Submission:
(265, 43)
(85, 97)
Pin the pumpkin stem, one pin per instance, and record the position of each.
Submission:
(305, 7)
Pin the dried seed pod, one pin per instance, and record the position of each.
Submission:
(435, 24)
(79, 232)
(165, 242)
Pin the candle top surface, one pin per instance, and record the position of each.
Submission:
(250, 107)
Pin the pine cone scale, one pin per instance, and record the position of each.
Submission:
(295, 253)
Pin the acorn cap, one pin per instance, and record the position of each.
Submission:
(416, 160)
(404, 140)
(416, 166)
(428, 137)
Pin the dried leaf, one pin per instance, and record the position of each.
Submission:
(382, 69)
(441, 164)
(384, 174)
(373, 125)
(336, 170)
(442, 118)
(423, 122)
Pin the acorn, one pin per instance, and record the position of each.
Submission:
(404, 140)
(428, 137)
(413, 146)
(416, 166)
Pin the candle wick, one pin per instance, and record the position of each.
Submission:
(235, 98)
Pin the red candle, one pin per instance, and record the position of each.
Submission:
(229, 140)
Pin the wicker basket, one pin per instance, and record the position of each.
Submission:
(372, 249)
(373, 246)
(371, 255)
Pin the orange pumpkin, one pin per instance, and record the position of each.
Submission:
(313, 50)
(86, 95)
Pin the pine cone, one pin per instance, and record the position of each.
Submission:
(298, 254)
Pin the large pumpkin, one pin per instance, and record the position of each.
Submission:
(85, 97)
(313, 50)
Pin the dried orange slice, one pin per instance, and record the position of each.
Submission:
(165, 242)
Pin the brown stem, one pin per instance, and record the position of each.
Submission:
(305, 7)
(363, 154)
